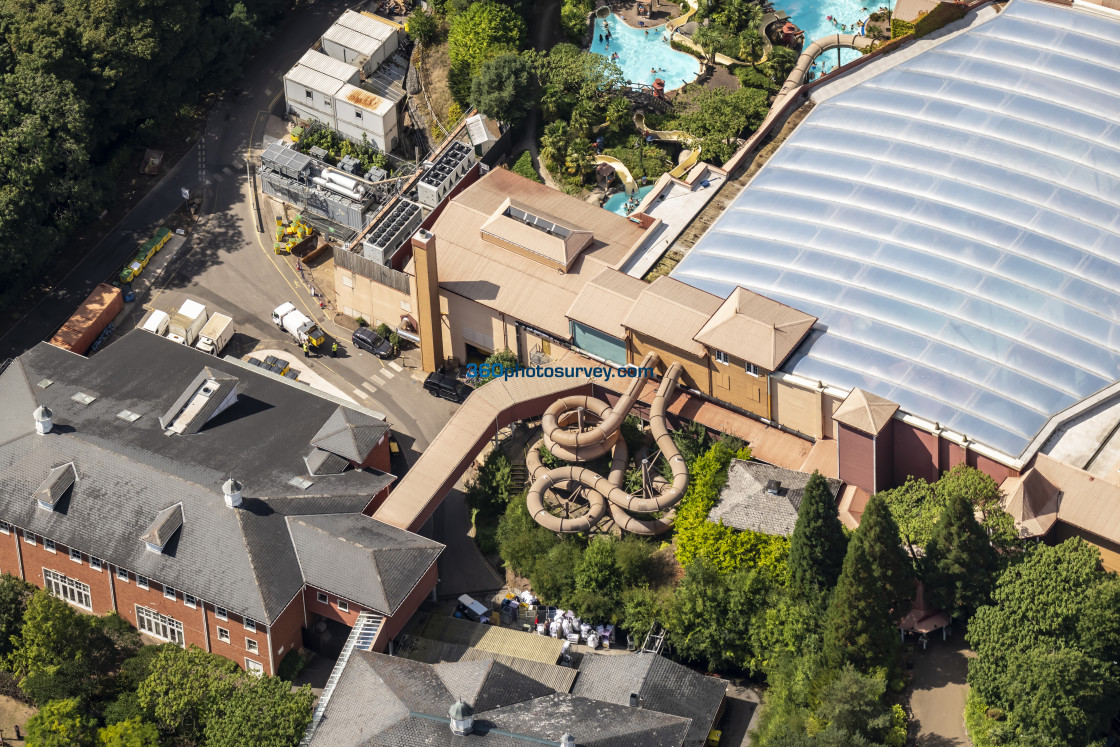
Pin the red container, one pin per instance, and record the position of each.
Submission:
(90, 319)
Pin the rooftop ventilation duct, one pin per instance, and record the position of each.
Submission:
(232, 492)
(43, 420)
(773, 487)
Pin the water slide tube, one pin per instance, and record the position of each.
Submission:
(679, 21)
(581, 445)
(678, 136)
(628, 182)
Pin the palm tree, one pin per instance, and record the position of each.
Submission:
(751, 46)
(708, 39)
(554, 144)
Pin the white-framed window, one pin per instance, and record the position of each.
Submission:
(190, 600)
(122, 574)
(251, 646)
(720, 356)
(357, 115)
(326, 101)
(751, 368)
(75, 555)
(250, 625)
(169, 592)
(96, 564)
(309, 94)
(160, 626)
(254, 667)
(74, 592)
(343, 605)
(5, 527)
(48, 545)
(141, 581)
(221, 613)
(321, 597)
(223, 635)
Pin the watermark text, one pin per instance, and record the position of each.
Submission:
(496, 370)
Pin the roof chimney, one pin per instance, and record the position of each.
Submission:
(43, 417)
(232, 491)
(567, 740)
(462, 718)
(428, 312)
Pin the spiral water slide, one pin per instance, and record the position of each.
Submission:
(581, 444)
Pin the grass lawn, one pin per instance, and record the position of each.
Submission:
(13, 712)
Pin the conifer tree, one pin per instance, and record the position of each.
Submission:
(817, 547)
(889, 561)
(860, 628)
(960, 564)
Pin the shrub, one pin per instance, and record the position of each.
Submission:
(900, 27)
(362, 322)
(521, 541)
(422, 27)
(488, 493)
(383, 331)
(291, 665)
(523, 166)
(573, 19)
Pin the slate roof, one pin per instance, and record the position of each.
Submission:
(744, 503)
(350, 434)
(57, 482)
(321, 462)
(663, 686)
(552, 676)
(166, 523)
(386, 562)
(186, 420)
(128, 473)
(392, 702)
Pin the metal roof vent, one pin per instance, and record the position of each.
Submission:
(773, 487)
(232, 492)
(45, 383)
(462, 718)
(43, 422)
(82, 398)
(567, 740)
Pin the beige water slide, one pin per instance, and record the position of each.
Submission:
(579, 429)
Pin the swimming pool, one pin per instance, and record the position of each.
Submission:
(616, 203)
(639, 53)
(811, 16)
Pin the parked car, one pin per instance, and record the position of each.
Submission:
(448, 387)
(371, 342)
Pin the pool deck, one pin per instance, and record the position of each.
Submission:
(660, 13)
(675, 202)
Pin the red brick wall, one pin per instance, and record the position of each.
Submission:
(915, 452)
(412, 602)
(995, 470)
(37, 557)
(287, 630)
(237, 648)
(9, 558)
(129, 595)
(329, 610)
(856, 452)
(884, 456)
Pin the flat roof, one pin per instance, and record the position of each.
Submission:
(954, 222)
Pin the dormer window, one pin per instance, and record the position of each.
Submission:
(54, 487)
(163, 528)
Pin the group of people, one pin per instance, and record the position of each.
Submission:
(844, 26)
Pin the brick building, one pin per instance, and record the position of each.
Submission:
(207, 502)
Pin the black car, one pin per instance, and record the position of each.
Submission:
(448, 387)
(371, 342)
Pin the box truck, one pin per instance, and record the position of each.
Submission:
(302, 329)
(215, 334)
(156, 322)
(186, 323)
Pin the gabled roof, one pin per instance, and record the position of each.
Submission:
(662, 685)
(350, 434)
(546, 237)
(594, 723)
(605, 302)
(1084, 500)
(199, 401)
(57, 482)
(746, 503)
(166, 523)
(488, 684)
(672, 312)
(384, 563)
(130, 473)
(756, 329)
(864, 411)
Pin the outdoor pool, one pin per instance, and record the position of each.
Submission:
(616, 203)
(639, 52)
(811, 16)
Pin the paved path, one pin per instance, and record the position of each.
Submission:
(462, 569)
(939, 691)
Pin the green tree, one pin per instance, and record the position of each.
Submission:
(739, 15)
(501, 361)
(1052, 623)
(597, 571)
(983, 493)
(751, 46)
(501, 89)
(184, 688)
(859, 628)
(642, 607)
(489, 491)
(261, 712)
(522, 541)
(568, 76)
(719, 117)
(960, 564)
(781, 63)
(53, 634)
(818, 544)
(523, 166)
(889, 561)
(422, 26)
(573, 18)
(553, 575)
(130, 733)
(61, 723)
(484, 30)
(708, 38)
(633, 555)
(852, 706)
(14, 593)
(554, 145)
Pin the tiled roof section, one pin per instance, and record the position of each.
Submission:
(362, 705)
(593, 723)
(551, 238)
(552, 676)
(864, 411)
(494, 639)
(58, 481)
(322, 462)
(361, 559)
(1085, 501)
(166, 523)
(606, 300)
(350, 434)
(199, 401)
(746, 504)
(16, 402)
(489, 684)
(1032, 501)
(663, 685)
(756, 329)
(672, 312)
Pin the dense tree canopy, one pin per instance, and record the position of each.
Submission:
(817, 546)
(1047, 647)
(960, 564)
(860, 627)
(501, 88)
(889, 561)
(484, 30)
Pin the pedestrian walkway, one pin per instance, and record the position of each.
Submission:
(939, 689)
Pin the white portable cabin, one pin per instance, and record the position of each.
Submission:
(360, 40)
(311, 86)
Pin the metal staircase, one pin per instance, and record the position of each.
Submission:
(361, 638)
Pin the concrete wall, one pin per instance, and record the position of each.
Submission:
(466, 321)
(374, 302)
(797, 408)
(599, 343)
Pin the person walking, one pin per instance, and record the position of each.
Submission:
(334, 349)
(306, 352)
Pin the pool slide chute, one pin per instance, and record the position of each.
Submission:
(677, 136)
(628, 182)
(582, 445)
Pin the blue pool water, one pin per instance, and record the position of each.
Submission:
(638, 53)
(811, 16)
(616, 203)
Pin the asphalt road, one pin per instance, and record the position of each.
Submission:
(226, 263)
